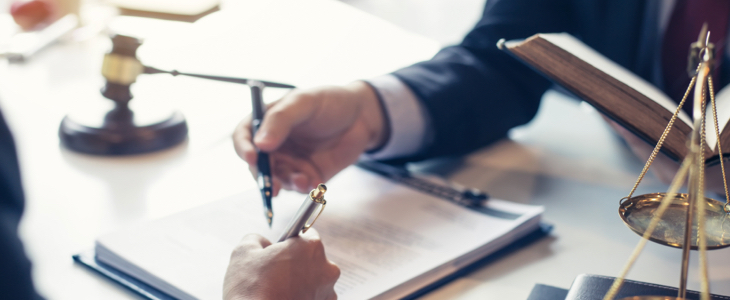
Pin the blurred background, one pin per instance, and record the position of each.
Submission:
(445, 21)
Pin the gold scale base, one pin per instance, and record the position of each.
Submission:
(638, 211)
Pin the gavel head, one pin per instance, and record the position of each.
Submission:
(121, 68)
(119, 134)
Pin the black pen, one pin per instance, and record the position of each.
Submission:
(262, 162)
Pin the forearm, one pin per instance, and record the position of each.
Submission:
(474, 93)
(470, 106)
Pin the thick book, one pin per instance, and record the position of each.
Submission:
(618, 93)
(389, 240)
(595, 287)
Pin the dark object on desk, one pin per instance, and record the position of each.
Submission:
(88, 259)
(119, 135)
(547, 292)
(594, 287)
(461, 195)
(471, 198)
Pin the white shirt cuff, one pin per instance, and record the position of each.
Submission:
(408, 119)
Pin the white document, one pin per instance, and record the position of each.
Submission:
(389, 240)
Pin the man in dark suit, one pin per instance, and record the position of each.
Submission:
(470, 95)
(15, 276)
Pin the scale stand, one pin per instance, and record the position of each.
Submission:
(668, 218)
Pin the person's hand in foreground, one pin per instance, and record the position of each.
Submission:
(294, 269)
(313, 134)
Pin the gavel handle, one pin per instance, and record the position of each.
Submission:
(151, 70)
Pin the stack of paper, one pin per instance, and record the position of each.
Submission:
(389, 240)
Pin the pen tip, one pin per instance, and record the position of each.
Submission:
(269, 217)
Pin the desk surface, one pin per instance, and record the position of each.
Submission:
(566, 159)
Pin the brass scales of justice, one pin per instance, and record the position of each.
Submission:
(669, 218)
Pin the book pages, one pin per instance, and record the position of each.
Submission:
(588, 54)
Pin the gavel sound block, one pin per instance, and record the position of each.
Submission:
(118, 134)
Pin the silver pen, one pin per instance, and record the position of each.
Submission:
(305, 212)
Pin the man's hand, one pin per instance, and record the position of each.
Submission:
(294, 269)
(313, 134)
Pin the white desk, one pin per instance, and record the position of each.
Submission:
(566, 159)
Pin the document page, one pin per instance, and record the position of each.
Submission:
(388, 239)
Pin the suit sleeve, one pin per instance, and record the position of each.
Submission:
(15, 268)
(474, 93)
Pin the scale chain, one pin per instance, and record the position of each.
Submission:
(693, 166)
(700, 205)
(661, 139)
(673, 189)
(719, 144)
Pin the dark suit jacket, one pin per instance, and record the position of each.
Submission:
(15, 278)
(474, 93)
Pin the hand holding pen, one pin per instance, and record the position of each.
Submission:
(310, 135)
(262, 162)
(315, 199)
(254, 157)
(295, 269)
(299, 264)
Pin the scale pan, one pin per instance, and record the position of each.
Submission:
(638, 211)
(651, 298)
